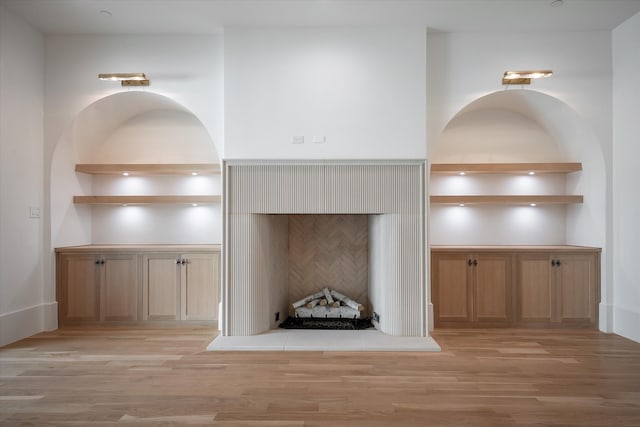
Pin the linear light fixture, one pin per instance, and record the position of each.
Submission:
(126, 79)
(524, 77)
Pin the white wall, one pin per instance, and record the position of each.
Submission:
(361, 88)
(626, 152)
(23, 308)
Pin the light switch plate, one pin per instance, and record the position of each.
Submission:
(319, 139)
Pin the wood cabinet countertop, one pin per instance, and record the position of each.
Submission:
(138, 248)
(513, 248)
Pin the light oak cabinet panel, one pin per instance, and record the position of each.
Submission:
(201, 282)
(181, 286)
(575, 276)
(119, 287)
(78, 289)
(469, 288)
(96, 287)
(451, 288)
(535, 289)
(493, 288)
(161, 287)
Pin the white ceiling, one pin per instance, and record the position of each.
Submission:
(211, 16)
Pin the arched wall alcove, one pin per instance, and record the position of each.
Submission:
(521, 126)
(133, 127)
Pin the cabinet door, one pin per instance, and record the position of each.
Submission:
(492, 294)
(200, 283)
(451, 288)
(535, 289)
(161, 287)
(119, 287)
(576, 281)
(78, 288)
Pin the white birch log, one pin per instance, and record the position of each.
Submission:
(323, 301)
(327, 295)
(307, 299)
(313, 303)
(347, 301)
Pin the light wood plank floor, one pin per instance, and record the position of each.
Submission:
(163, 376)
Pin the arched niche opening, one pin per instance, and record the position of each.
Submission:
(133, 128)
(513, 126)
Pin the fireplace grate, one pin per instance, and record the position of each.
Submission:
(326, 323)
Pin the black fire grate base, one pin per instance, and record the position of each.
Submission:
(326, 323)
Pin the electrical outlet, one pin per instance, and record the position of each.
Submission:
(34, 212)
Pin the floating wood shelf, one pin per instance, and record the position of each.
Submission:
(506, 200)
(504, 168)
(144, 200)
(138, 169)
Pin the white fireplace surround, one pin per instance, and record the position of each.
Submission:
(259, 194)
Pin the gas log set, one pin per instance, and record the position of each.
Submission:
(326, 309)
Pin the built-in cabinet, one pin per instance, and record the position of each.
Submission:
(558, 288)
(515, 286)
(137, 283)
(472, 288)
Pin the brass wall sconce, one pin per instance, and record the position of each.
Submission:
(524, 77)
(126, 79)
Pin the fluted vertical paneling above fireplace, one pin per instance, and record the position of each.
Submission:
(259, 194)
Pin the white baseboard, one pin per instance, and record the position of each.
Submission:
(430, 317)
(626, 323)
(605, 316)
(23, 323)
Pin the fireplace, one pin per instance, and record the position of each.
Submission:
(293, 227)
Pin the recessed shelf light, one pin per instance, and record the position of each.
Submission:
(532, 204)
(462, 173)
(194, 205)
(124, 204)
(125, 173)
(194, 173)
(532, 173)
(461, 205)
